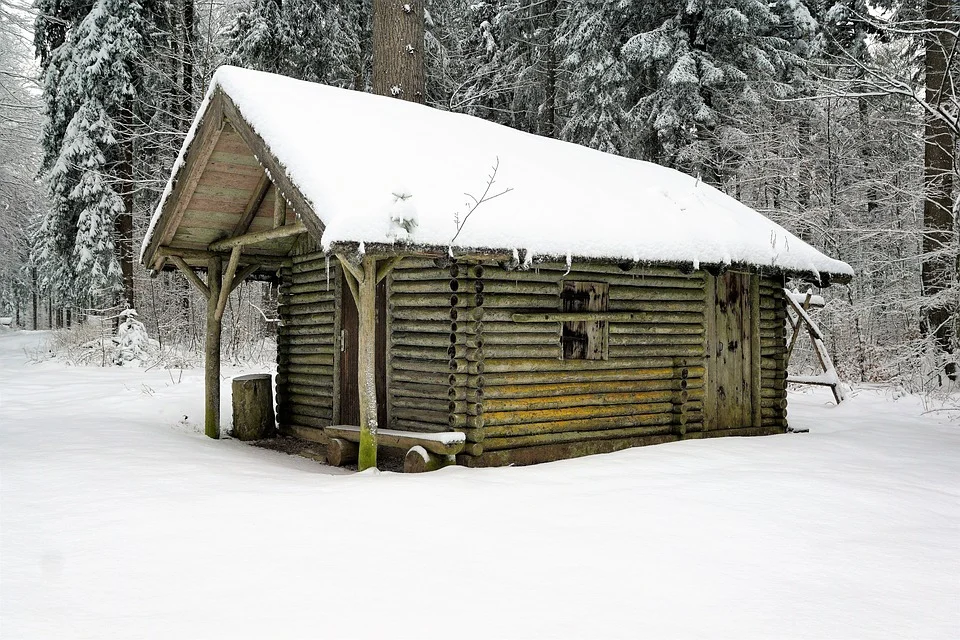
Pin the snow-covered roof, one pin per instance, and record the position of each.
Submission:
(381, 170)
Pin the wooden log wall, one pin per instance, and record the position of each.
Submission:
(773, 354)
(306, 344)
(427, 313)
(537, 406)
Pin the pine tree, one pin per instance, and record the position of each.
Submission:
(304, 39)
(90, 83)
(690, 63)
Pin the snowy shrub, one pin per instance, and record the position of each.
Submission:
(132, 344)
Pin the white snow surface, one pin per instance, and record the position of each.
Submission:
(119, 519)
(365, 161)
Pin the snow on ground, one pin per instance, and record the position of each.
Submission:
(118, 519)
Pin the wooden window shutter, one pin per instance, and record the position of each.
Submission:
(584, 340)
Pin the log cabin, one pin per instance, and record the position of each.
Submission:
(475, 294)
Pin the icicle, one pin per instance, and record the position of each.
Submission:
(328, 273)
(569, 264)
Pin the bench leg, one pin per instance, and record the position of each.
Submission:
(419, 460)
(342, 452)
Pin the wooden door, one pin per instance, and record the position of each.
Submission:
(732, 325)
(350, 351)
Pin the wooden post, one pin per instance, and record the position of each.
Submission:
(212, 413)
(367, 363)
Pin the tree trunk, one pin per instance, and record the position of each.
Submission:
(938, 164)
(398, 33)
(33, 283)
(124, 222)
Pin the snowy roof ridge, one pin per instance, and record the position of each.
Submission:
(379, 170)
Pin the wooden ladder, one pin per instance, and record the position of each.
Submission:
(801, 305)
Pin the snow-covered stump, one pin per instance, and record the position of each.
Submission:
(253, 417)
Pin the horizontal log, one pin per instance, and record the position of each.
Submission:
(585, 424)
(541, 375)
(307, 309)
(420, 415)
(305, 330)
(435, 301)
(440, 340)
(778, 402)
(401, 388)
(671, 384)
(438, 404)
(582, 400)
(321, 364)
(306, 298)
(312, 434)
(285, 397)
(627, 328)
(650, 317)
(678, 281)
(773, 393)
(543, 339)
(307, 319)
(417, 425)
(434, 273)
(634, 339)
(305, 344)
(306, 257)
(298, 419)
(307, 380)
(428, 327)
(500, 418)
(428, 354)
(419, 460)
(657, 306)
(322, 394)
(673, 351)
(295, 351)
(418, 314)
(304, 288)
(617, 366)
(342, 452)
(497, 444)
(296, 410)
(399, 374)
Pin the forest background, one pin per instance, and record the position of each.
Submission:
(837, 119)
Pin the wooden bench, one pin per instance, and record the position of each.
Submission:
(425, 451)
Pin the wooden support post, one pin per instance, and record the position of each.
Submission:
(227, 286)
(212, 356)
(367, 363)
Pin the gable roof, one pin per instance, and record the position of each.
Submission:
(359, 168)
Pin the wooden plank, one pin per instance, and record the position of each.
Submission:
(445, 443)
(753, 332)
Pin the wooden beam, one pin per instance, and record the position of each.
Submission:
(258, 237)
(188, 177)
(252, 206)
(228, 282)
(191, 275)
(386, 266)
(279, 210)
(242, 275)
(212, 352)
(351, 267)
(266, 262)
(352, 284)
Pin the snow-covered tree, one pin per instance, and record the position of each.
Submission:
(691, 63)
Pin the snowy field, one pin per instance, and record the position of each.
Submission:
(118, 519)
